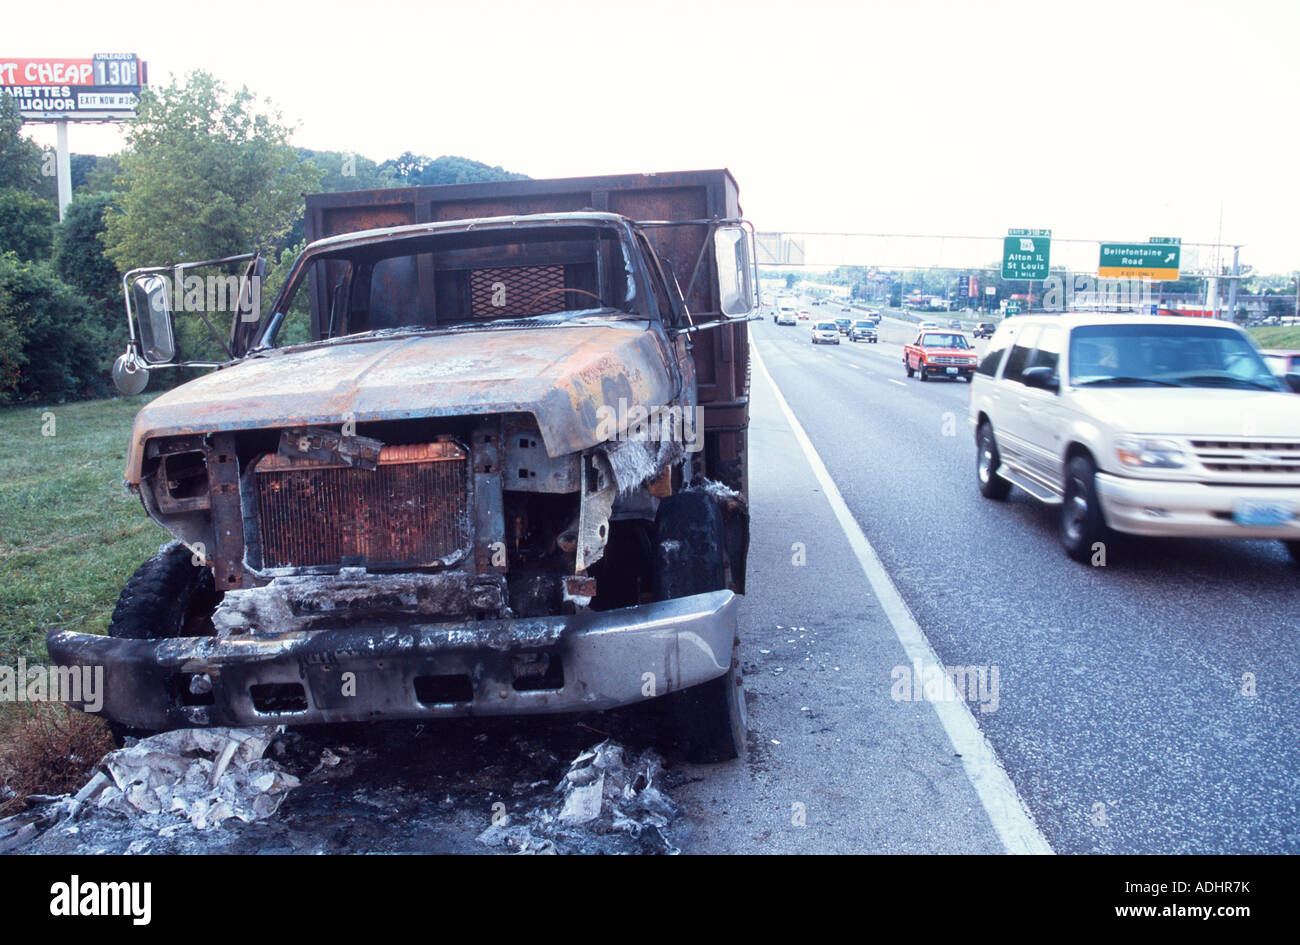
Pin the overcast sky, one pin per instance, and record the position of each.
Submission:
(1097, 120)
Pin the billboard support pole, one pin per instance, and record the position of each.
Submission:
(63, 167)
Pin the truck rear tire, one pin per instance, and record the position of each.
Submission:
(709, 721)
(168, 596)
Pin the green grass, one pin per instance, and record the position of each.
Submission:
(70, 534)
(1277, 336)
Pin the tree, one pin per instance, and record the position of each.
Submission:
(417, 170)
(20, 159)
(207, 173)
(51, 344)
(79, 261)
(26, 224)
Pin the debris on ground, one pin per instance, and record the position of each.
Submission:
(205, 776)
(607, 802)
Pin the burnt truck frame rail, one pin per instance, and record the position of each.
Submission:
(583, 662)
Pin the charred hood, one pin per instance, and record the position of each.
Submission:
(560, 375)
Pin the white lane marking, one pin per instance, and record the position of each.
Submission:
(1010, 817)
(855, 367)
(894, 380)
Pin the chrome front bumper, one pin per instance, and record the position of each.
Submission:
(589, 661)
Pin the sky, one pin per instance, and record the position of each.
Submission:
(1097, 120)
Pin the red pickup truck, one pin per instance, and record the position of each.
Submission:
(940, 353)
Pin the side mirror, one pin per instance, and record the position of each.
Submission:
(153, 315)
(733, 250)
(1293, 382)
(1043, 378)
(130, 374)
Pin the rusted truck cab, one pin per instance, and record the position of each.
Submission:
(483, 454)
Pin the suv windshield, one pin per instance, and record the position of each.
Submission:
(459, 279)
(862, 324)
(1177, 355)
(827, 326)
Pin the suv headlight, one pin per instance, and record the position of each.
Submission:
(1143, 452)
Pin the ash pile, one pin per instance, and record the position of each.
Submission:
(607, 802)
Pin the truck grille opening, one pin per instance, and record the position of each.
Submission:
(412, 510)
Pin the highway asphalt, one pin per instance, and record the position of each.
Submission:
(1147, 706)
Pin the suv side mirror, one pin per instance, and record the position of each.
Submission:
(733, 251)
(153, 315)
(1043, 378)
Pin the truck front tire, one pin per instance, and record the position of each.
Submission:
(168, 596)
(709, 720)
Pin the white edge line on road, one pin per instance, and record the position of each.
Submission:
(892, 380)
(1010, 817)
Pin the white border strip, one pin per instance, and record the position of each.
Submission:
(1011, 819)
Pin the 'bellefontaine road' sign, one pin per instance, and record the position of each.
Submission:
(1026, 254)
(1158, 259)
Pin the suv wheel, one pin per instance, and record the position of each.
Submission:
(1294, 548)
(1081, 522)
(992, 486)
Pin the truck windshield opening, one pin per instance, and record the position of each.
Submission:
(458, 279)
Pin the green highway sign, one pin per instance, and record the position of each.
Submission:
(1153, 260)
(1026, 254)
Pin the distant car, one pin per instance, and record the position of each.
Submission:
(843, 325)
(939, 353)
(846, 308)
(804, 314)
(863, 330)
(826, 333)
(985, 330)
(925, 325)
(954, 323)
(785, 317)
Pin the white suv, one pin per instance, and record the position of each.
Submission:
(1148, 425)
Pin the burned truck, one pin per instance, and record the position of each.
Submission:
(484, 454)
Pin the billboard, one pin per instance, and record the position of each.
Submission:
(105, 87)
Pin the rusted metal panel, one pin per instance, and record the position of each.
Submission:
(410, 511)
(227, 516)
(560, 375)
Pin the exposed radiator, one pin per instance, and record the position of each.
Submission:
(410, 511)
